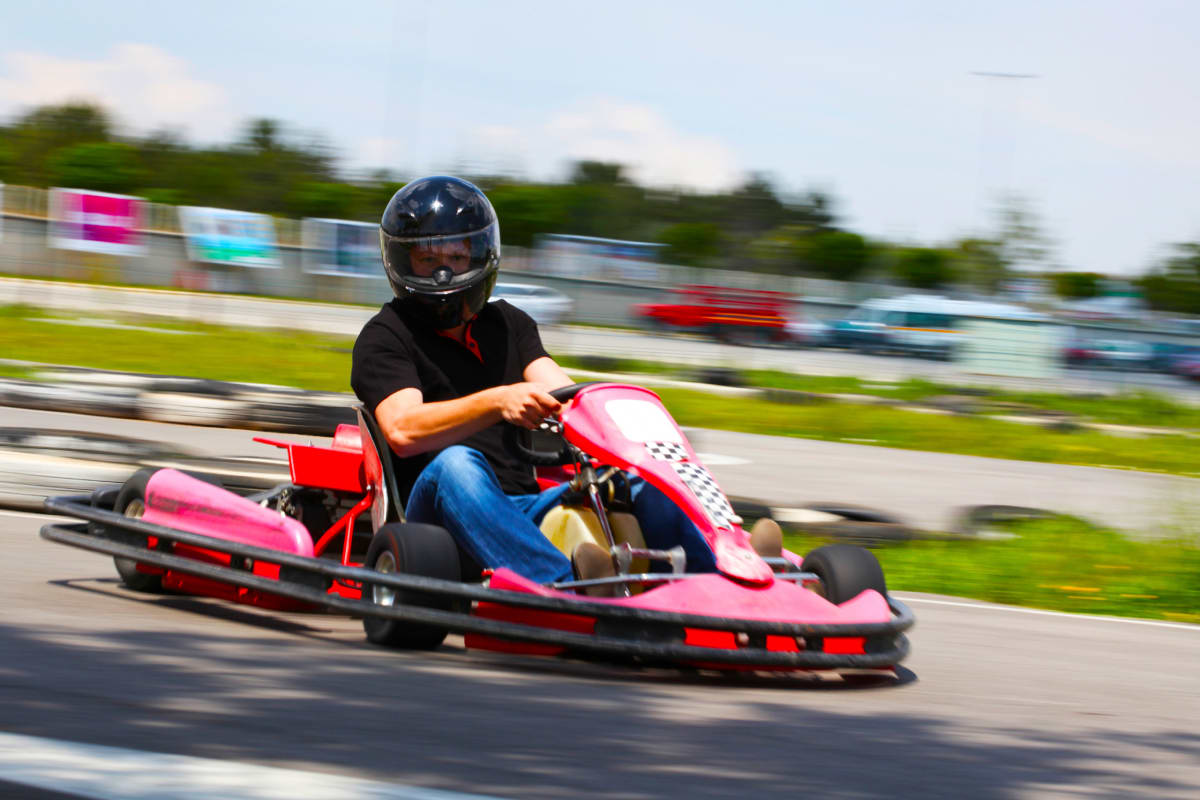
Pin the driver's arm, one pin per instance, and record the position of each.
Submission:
(546, 372)
(412, 426)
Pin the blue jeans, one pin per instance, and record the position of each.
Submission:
(459, 491)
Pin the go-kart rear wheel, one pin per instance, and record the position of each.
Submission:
(131, 502)
(845, 571)
(414, 549)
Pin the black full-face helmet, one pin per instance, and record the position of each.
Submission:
(440, 241)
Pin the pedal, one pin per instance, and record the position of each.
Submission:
(624, 554)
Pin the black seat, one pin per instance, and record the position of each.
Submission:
(393, 500)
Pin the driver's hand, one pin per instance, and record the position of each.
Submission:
(527, 404)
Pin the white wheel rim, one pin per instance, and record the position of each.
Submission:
(135, 509)
(384, 595)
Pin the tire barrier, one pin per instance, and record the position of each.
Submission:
(37, 463)
(189, 401)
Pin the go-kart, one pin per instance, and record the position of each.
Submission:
(335, 537)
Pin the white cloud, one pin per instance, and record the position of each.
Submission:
(143, 86)
(602, 129)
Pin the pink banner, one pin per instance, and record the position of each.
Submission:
(95, 221)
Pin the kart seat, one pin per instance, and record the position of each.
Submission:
(347, 437)
(375, 449)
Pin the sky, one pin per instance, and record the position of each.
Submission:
(882, 105)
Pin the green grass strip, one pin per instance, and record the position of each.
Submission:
(1061, 564)
(320, 362)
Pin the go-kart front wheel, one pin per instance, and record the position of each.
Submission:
(414, 549)
(131, 502)
(845, 571)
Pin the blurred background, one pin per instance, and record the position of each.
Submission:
(920, 276)
(878, 181)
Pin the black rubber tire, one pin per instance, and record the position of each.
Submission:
(974, 519)
(415, 549)
(865, 534)
(748, 509)
(846, 571)
(854, 513)
(134, 490)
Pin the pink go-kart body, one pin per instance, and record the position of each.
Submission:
(201, 539)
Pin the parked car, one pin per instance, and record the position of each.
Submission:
(807, 333)
(1168, 356)
(1122, 354)
(1188, 367)
(547, 306)
(727, 314)
(925, 325)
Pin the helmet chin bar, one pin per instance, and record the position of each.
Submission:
(444, 313)
(438, 313)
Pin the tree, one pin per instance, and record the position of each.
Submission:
(981, 263)
(1022, 242)
(691, 243)
(1175, 284)
(102, 166)
(262, 135)
(923, 267)
(48, 129)
(6, 160)
(68, 123)
(839, 255)
(526, 211)
(322, 199)
(754, 207)
(597, 172)
(1077, 285)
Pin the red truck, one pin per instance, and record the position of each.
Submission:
(726, 314)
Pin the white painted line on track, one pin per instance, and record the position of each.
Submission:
(1183, 626)
(114, 773)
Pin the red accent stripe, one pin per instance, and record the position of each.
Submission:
(468, 340)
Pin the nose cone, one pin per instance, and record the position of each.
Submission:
(738, 560)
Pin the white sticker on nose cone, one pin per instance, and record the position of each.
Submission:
(642, 421)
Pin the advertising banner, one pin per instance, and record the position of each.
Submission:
(341, 247)
(224, 236)
(97, 222)
(1011, 348)
(592, 257)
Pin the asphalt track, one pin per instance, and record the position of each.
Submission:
(993, 703)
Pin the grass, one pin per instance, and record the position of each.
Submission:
(303, 360)
(320, 362)
(978, 436)
(1061, 564)
(1133, 407)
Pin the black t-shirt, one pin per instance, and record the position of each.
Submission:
(394, 353)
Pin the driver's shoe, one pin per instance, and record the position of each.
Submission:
(767, 538)
(591, 561)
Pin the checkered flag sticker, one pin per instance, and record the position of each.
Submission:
(666, 451)
(704, 486)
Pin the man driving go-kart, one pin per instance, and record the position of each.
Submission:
(619, 545)
(444, 372)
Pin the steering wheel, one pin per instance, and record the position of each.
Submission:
(565, 393)
(515, 437)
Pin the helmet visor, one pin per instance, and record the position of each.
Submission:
(441, 264)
